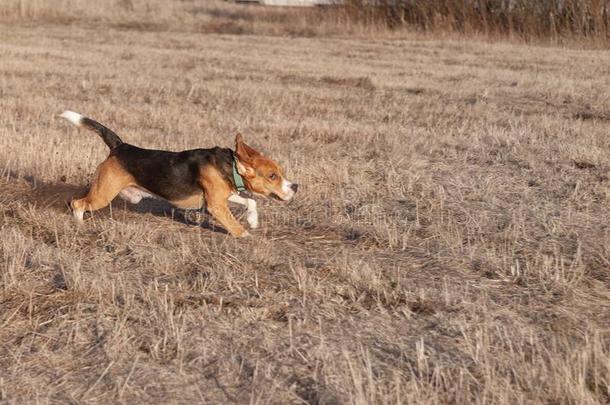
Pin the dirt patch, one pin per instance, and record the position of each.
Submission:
(364, 83)
(592, 115)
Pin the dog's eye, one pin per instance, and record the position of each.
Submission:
(272, 176)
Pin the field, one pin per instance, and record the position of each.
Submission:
(450, 241)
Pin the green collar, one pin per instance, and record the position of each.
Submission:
(238, 179)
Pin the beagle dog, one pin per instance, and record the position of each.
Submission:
(187, 179)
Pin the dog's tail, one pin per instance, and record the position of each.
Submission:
(108, 136)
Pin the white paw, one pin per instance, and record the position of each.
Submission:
(78, 215)
(252, 221)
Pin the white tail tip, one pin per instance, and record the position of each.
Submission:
(74, 118)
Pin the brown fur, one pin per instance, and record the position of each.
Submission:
(216, 192)
(257, 169)
(109, 179)
(261, 175)
(195, 201)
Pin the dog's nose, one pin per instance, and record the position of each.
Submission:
(294, 187)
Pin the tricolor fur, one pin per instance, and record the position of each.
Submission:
(187, 179)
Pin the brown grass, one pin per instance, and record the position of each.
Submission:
(576, 23)
(449, 243)
(555, 20)
(186, 16)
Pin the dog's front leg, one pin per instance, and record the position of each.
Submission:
(220, 211)
(216, 192)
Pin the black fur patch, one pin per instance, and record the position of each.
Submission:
(108, 136)
(172, 175)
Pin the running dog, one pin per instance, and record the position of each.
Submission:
(187, 179)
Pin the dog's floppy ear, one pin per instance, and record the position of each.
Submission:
(245, 169)
(244, 152)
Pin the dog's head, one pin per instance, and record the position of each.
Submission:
(262, 175)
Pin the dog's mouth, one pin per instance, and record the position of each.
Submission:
(277, 197)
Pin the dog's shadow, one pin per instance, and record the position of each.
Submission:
(57, 196)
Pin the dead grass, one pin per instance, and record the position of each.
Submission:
(449, 243)
(556, 21)
(209, 16)
(574, 23)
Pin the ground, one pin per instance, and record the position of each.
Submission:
(449, 242)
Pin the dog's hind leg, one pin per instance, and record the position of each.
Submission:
(110, 179)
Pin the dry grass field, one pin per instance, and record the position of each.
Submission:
(450, 241)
